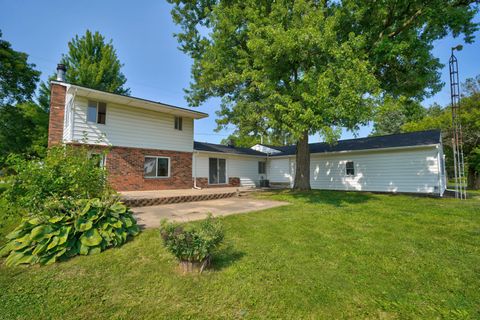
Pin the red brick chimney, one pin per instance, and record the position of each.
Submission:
(57, 108)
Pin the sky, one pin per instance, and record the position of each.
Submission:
(142, 33)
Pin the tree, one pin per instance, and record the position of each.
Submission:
(438, 118)
(90, 62)
(23, 131)
(240, 139)
(307, 67)
(23, 125)
(18, 78)
(393, 113)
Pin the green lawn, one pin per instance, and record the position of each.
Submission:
(328, 255)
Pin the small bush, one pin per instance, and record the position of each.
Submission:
(93, 226)
(66, 174)
(192, 243)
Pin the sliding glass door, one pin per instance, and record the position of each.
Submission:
(217, 171)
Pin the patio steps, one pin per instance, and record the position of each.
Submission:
(155, 199)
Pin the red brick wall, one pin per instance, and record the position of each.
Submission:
(232, 182)
(125, 169)
(57, 113)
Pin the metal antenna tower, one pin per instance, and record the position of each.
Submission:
(457, 145)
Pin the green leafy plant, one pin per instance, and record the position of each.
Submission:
(93, 226)
(192, 244)
(66, 174)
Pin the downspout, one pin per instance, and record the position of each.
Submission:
(266, 167)
(195, 172)
(72, 116)
(439, 175)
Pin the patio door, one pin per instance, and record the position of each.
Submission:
(217, 171)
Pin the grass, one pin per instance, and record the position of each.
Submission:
(328, 255)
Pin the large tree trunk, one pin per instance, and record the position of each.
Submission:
(302, 168)
(473, 179)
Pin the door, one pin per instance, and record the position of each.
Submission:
(217, 171)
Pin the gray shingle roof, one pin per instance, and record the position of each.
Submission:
(211, 147)
(409, 139)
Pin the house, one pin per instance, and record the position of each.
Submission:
(151, 147)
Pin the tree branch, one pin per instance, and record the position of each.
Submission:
(407, 23)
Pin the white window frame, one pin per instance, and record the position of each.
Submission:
(227, 180)
(156, 167)
(103, 158)
(264, 167)
(96, 111)
(346, 169)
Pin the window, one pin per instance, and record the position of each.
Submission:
(97, 112)
(178, 123)
(350, 169)
(92, 111)
(217, 171)
(156, 167)
(99, 159)
(102, 112)
(262, 167)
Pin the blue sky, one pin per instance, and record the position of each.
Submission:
(142, 32)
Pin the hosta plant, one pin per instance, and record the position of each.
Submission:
(192, 244)
(88, 227)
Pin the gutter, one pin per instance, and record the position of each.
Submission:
(231, 154)
(360, 151)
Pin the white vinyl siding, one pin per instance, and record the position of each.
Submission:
(278, 170)
(415, 170)
(243, 167)
(132, 127)
(408, 170)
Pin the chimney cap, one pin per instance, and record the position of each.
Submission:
(61, 70)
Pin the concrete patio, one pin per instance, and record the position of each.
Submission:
(150, 217)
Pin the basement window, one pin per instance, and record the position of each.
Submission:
(97, 112)
(99, 158)
(350, 168)
(156, 167)
(179, 123)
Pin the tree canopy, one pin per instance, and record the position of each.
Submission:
(239, 139)
(18, 77)
(393, 113)
(309, 67)
(23, 125)
(91, 61)
(441, 118)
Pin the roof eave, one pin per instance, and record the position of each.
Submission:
(231, 153)
(363, 150)
(133, 101)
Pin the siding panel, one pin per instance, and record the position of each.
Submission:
(279, 170)
(132, 127)
(392, 171)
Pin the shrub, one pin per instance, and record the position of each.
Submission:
(192, 244)
(92, 227)
(66, 174)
